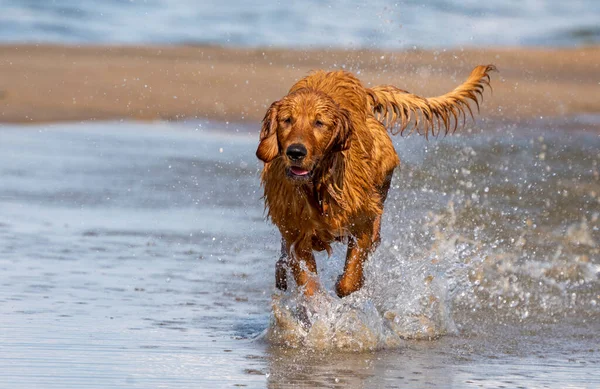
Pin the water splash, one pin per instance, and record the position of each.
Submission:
(361, 321)
(403, 299)
(414, 286)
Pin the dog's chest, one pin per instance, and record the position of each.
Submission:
(326, 224)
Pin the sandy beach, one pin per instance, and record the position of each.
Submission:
(46, 83)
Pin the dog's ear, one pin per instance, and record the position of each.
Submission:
(268, 148)
(340, 140)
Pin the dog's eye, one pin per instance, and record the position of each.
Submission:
(287, 120)
(319, 123)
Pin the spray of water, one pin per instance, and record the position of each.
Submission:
(464, 249)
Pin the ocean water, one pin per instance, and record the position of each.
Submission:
(305, 24)
(137, 255)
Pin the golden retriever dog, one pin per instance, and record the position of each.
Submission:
(328, 164)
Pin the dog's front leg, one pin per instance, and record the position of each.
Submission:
(304, 269)
(352, 279)
(281, 266)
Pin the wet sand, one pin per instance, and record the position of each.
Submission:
(55, 83)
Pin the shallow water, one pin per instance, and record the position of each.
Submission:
(351, 24)
(136, 255)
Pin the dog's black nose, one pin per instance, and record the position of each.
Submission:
(296, 152)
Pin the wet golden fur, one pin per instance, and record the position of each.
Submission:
(342, 128)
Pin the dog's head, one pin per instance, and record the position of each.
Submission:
(303, 128)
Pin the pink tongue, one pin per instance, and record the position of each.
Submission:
(299, 171)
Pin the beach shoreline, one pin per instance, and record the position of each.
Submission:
(55, 83)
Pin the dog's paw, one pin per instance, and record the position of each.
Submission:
(345, 287)
(304, 315)
(310, 309)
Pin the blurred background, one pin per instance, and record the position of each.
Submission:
(306, 24)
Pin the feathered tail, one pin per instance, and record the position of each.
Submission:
(398, 108)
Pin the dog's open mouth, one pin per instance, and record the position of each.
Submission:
(297, 172)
